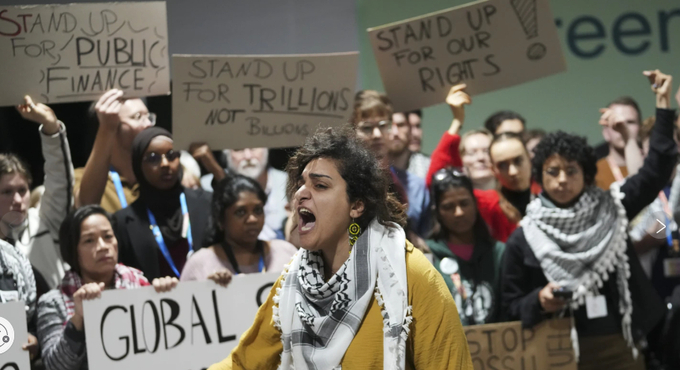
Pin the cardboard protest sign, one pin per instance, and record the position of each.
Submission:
(13, 335)
(488, 45)
(67, 53)
(259, 101)
(547, 346)
(189, 328)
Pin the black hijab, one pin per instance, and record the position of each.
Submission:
(164, 204)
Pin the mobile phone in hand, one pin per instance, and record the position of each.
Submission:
(562, 292)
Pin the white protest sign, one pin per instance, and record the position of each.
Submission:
(13, 335)
(488, 45)
(67, 53)
(191, 327)
(259, 101)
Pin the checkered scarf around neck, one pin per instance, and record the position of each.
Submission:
(318, 320)
(125, 278)
(579, 247)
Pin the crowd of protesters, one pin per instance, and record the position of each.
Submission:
(521, 224)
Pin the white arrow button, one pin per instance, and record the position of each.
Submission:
(662, 224)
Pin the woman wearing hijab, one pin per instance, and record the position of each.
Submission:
(572, 251)
(158, 232)
(357, 295)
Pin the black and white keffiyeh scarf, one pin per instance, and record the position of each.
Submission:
(318, 320)
(578, 247)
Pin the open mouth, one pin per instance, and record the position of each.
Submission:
(307, 219)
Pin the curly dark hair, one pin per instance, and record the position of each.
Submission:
(568, 146)
(366, 180)
(225, 193)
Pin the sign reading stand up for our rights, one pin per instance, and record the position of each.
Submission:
(76, 52)
(488, 45)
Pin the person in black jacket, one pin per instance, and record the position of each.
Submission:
(167, 223)
(574, 239)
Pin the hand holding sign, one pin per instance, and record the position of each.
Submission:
(222, 278)
(32, 346)
(39, 113)
(108, 109)
(164, 284)
(86, 292)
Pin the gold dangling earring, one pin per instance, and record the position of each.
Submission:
(353, 231)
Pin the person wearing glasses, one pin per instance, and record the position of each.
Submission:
(167, 223)
(372, 123)
(107, 178)
(466, 255)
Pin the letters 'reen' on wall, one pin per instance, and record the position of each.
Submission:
(488, 45)
(191, 327)
(546, 346)
(260, 101)
(67, 53)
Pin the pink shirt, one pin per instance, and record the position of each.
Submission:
(205, 262)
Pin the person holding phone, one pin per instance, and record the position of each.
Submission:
(574, 240)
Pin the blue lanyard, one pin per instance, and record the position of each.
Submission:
(119, 187)
(260, 266)
(159, 237)
(232, 258)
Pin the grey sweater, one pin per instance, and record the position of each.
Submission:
(62, 346)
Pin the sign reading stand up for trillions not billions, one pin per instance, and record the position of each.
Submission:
(259, 101)
(76, 52)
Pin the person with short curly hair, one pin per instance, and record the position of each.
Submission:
(572, 251)
(357, 295)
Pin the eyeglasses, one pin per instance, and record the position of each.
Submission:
(367, 128)
(445, 173)
(139, 117)
(155, 159)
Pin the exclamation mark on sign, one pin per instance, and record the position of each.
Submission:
(528, 17)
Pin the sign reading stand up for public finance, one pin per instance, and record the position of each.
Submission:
(191, 327)
(488, 45)
(547, 346)
(13, 335)
(76, 52)
(259, 101)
